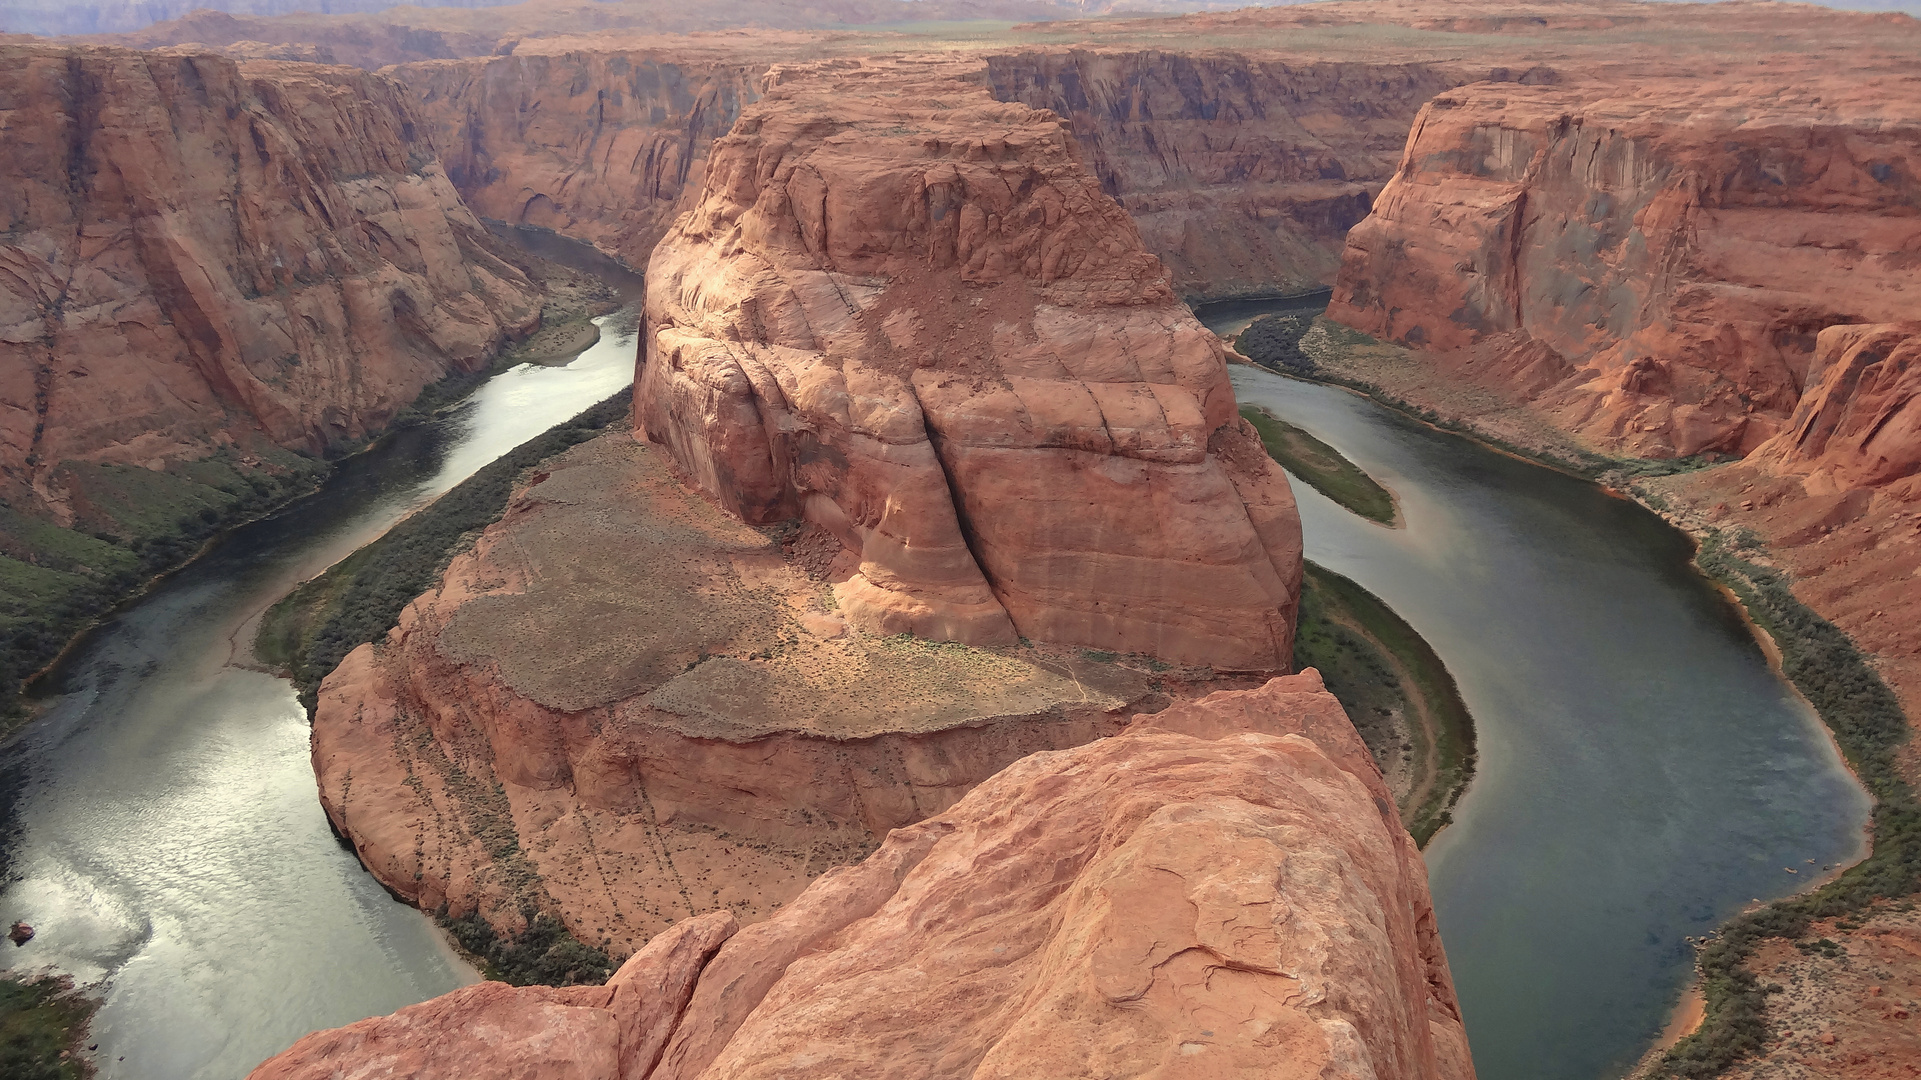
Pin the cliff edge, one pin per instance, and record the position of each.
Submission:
(1221, 890)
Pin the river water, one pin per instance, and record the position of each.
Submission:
(163, 832)
(1643, 773)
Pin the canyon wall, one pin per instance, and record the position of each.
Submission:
(603, 145)
(1650, 265)
(906, 312)
(1222, 890)
(199, 254)
(1244, 172)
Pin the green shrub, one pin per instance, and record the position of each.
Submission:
(1868, 725)
(360, 598)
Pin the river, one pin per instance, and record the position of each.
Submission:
(1643, 773)
(163, 833)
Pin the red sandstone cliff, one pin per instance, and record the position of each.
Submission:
(1244, 171)
(907, 313)
(1223, 891)
(1651, 264)
(606, 145)
(197, 252)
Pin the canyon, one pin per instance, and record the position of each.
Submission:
(1221, 889)
(936, 501)
(725, 744)
(201, 253)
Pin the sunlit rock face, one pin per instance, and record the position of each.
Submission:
(907, 313)
(1222, 890)
(1651, 263)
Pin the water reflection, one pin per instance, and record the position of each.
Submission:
(163, 829)
(1643, 774)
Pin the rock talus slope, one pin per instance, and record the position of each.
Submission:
(1649, 264)
(1221, 890)
(195, 251)
(906, 313)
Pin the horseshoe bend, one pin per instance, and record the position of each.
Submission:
(1114, 533)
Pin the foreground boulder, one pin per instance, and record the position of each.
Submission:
(1222, 890)
(906, 313)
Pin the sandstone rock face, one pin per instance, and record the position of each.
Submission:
(1650, 263)
(197, 252)
(1244, 172)
(906, 313)
(605, 145)
(719, 738)
(1859, 424)
(1222, 890)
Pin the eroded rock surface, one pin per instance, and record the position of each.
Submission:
(905, 312)
(1222, 890)
(199, 254)
(715, 738)
(526, 142)
(1650, 263)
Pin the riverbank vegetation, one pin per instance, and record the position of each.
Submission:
(1395, 689)
(132, 523)
(1869, 726)
(1322, 467)
(542, 954)
(129, 524)
(42, 1025)
(360, 598)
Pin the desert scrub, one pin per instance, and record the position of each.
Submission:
(1868, 725)
(1274, 341)
(43, 1026)
(1379, 667)
(360, 598)
(543, 954)
(1322, 467)
(130, 524)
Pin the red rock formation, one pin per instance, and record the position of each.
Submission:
(1649, 264)
(1223, 890)
(197, 251)
(606, 145)
(1859, 424)
(717, 740)
(907, 313)
(1244, 171)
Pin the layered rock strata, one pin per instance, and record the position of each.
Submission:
(906, 313)
(717, 738)
(198, 253)
(1244, 171)
(1222, 890)
(600, 143)
(1649, 265)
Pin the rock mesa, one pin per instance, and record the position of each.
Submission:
(1222, 890)
(906, 313)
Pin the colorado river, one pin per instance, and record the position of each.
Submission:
(163, 831)
(1643, 774)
